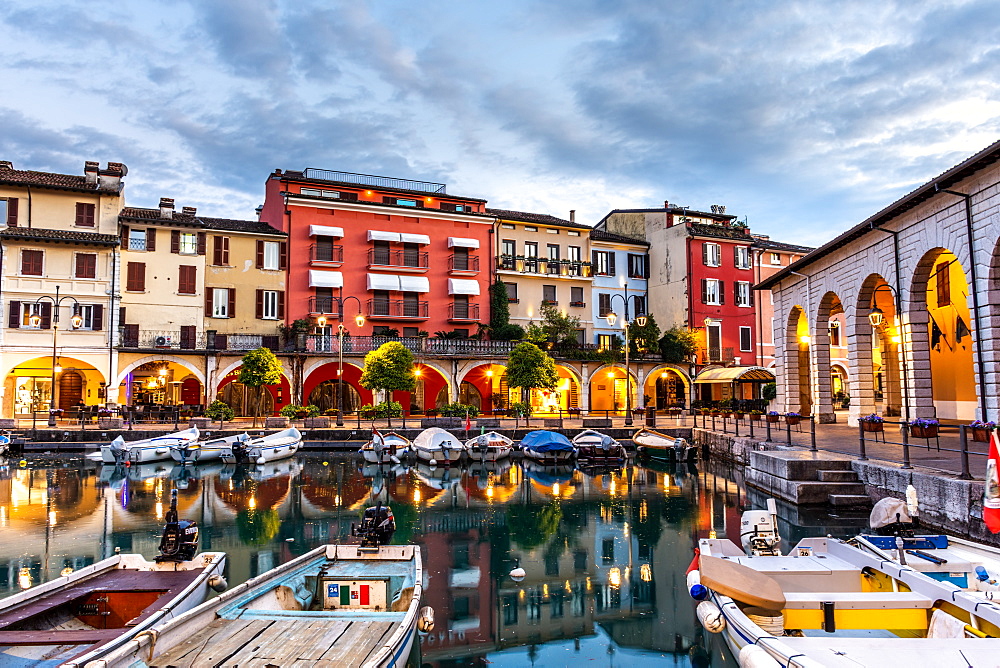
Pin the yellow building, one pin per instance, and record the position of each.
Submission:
(59, 280)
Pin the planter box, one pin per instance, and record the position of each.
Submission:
(772, 418)
(276, 422)
(756, 418)
(872, 427)
(924, 432)
(793, 420)
(980, 434)
(674, 412)
(109, 423)
(317, 423)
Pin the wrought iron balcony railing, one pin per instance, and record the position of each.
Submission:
(562, 268)
(463, 311)
(407, 259)
(401, 308)
(326, 254)
(468, 263)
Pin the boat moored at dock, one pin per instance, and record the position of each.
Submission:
(548, 447)
(279, 445)
(490, 447)
(596, 449)
(152, 449)
(197, 452)
(437, 446)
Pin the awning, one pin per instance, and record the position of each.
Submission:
(458, 286)
(459, 242)
(414, 284)
(735, 374)
(375, 235)
(415, 239)
(383, 282)
(325, 279)
(325, 231)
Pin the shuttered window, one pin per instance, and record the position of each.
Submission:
(711, 254)
(270, 305)
(220, 251)
(31, 262)
(150, 238)
(86, 265)
(84, 214)
(135, 277)
(8, 211)
(603, 304)
(187, 279)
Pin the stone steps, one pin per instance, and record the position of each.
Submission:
(836, 476)
(849, 500)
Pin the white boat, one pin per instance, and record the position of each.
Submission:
(437, 446)
(489, 447)
(385, 448)
(76, 618)
(656, 445)
(335, 605)
(595, 448)
(152, 449)
(205, 451)
(279, 445)
(548, 447)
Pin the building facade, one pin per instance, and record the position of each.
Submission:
(769, 257)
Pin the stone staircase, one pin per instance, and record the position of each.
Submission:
(803, 477)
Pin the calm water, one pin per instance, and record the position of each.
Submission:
(605, 553)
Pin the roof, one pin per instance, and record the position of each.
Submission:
(780, 246)
(130, 213)
(947, 179)
(380, 183)
(604, 235)
(68, 236)
(734, 374)
(29, 178)
(153, 216)
(678, 210)
(402, 207)
(540, 218)
(719, 231)
(249, 226)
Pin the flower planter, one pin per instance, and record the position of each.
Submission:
(980, 434)
(871, 427)
(793, 419)
(109, 423)
(301, 415)
(674, 412)
(276, 423)
(930, 431)
(773, 418)
(317, 423)
(738, 416)
(755, 417)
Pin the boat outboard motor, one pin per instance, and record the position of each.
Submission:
(179, 541)
(240, 451)
(889, 517)
(759, 531)
(377, 526)
(117, 448)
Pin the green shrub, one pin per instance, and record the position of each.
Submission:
(520, 408)
(219, 410)
(292, 411)
(769, 391)
(457, 410)
(385, 409)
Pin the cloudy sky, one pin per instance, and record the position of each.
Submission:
(804, 117)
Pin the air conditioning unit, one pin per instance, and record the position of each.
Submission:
(163, 341)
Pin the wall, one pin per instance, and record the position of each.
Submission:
(243, 275)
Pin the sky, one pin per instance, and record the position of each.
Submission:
(804, 118)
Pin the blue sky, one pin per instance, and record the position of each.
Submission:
(804, 117)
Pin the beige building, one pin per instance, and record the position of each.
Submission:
(59, 279)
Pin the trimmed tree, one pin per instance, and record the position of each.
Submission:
(389, 367)
(529, 368)
(677, 345)
(645, 338)
(500, 327)
(259, 368)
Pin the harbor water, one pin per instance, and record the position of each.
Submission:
(604, 551)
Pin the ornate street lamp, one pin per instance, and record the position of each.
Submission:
(36, 320)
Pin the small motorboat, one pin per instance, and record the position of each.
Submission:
(335, 605)
(548, 447)
(279, 445)
(437, 446)
(489, 447)
(85, 614)
(655, 445)
(385, 448)
(205, 451)
(596, 449)
(152, 449)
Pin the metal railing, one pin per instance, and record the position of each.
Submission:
(755, 425)
(397, 308)
(463, 311)
(166, 339)
(381, 257)
(463, 263)
(326, 253)
(375, 181)
(424, 346)
(567, 268)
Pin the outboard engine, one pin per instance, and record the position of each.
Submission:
(179, 541)
(240, 451)
(377, 526)
(759, 531)
(890, 517)
(117, 448)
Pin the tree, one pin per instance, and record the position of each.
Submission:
(678, 345)
(557, 328)
(389, 367)
(645, 338)
(501, 328)
(528, 368)
(260, 367)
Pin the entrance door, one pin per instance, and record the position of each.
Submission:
(70, 390)
(619, 394)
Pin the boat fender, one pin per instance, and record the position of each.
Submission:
(710, 617)
(517, 574)
(698, 591)
(394, 459)
(425, 620)
(218, 583)
(693, 578)
(981, 574)
(261, 460)
(432, 462)
(754, 656)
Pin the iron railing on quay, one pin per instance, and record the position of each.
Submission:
(925, 433)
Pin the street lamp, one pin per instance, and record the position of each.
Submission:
(612, 317)
(877, 317)
(36, 320)
(359, 320)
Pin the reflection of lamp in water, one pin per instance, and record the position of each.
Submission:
(615, 577)
(252, 503)
(416, 495)
(159, 510)
(52, 518)
(645, 573)
(555, 489)
(489, 491)
(336, 500)
(24, 578)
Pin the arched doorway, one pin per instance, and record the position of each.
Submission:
(190, 391)
(608, 387)
(324, 396)
(799, 387)
(665, 389)
(70, 389)
(246, 400)
(470, 395)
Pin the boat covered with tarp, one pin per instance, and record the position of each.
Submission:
(547, 446)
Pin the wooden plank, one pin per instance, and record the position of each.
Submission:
(263, 646)
(216, 652)
(374, 642)
(741, 583)
(356, 645)
(187, 653)
(60, 636)
(333, 630)
(303, 640)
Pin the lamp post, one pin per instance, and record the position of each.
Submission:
(359, 320)
(876, 317)
(36, 321)
(641, 321)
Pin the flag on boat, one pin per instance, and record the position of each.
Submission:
(468, 422)
(991, 490)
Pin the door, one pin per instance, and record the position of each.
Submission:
(70, 390)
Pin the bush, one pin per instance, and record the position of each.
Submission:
(385, 409)
(219, 410)
(292, 411)
(458, 410)
(769, 391)
(519, 408)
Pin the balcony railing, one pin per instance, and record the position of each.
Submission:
(382, 308)
(468, 263)
(462, 311)
(579, 304)
(326, 253)
(322, 306)
(562, 268)
(380, 257)
(717, 355)
(359, 345)
(375, 181)
(176, 340)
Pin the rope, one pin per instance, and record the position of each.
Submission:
(154, 635)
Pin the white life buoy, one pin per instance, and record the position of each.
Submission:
(753, 656)
(710, 617)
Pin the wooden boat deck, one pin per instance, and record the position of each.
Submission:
(250, 643)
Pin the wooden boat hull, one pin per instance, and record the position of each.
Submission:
(205, 451)
(395, 446)
(655, 445)
(497, 447)
(438, 445)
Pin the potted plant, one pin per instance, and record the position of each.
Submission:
(738, 414)
(773, 416)
(981, 430)
(218, 410)
(793, 418)
(871, 423)
(674, 411)
(924, 428)
(756, 415)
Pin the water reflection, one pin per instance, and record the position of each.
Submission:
(604, 551)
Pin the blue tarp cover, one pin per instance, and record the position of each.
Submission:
(546, 441)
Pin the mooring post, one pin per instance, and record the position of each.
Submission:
(906, 444)
(812, 433)
(861, 439)
(964, 444)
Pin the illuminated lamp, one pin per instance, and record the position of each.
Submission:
(612, 317)
(876, 316)
(641, 321)
(359, 320)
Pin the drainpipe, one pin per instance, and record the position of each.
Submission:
(899, 314)
(28, 188)
(975, 295)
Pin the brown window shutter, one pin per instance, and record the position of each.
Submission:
(281, 305)
(704, 291)
(12, 212)
(209, 306)
(260, 304)
(124, 239)
(150, 238)
(46, 313)
(232, 302)
(131, 335)
(84, 214)
(202, 238)
(225, 251)
(611, 264)
(80, 206)
(260, 254)
(14, 314)
(752, 299)
(704, 254)
(189, 334)
(722, 292)
(187, 279)
(98, 318)
(175, 241)
(136, 281)
(217, 251)
(283, 255)
(593, 260)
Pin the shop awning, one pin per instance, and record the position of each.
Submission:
(383, 282)
(735, 374)
(458, 286)
(459, 242)
(414, 284)
(325, 231)
(376, 235)
(422, 239)
(325, 279)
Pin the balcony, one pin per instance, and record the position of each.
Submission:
(541, 266)
(360, 345)
(717, 355)
(325, 255)
(578, 304)
(463, 265)
(149, 339)
(400, 260)
(462, 312)
(385, 309)
(322, 306)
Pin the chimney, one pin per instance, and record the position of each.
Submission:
(666, 204)
(166, 208)
(189, 211)
(90, 170)
(111, 178)
(572, 215)
(6, 164)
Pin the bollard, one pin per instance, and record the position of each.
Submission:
(177, 417)
(767, 423)
(812, 433)
(906, 445)
(713, 421)
(861, 440)
(736, 426)
(964, 444)
(788, 431)
(751, 426)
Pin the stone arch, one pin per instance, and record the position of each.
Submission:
(651, 378)
(873, 352)
(830, 305)
(610, 399)
(798, 395)
(180, 361)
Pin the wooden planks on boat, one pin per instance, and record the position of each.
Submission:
(213, 645)
(60, 636)
(357, 643)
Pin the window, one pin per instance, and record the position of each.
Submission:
(411, 255)
(506, 226)
(511, 292)
(711, 292)
(638, 305)
(576, 297)
(270, 305)
(31, 262)
(572, 233)
(714, 337)
(508, 249)
(744, 295)
(272, 254)
(608, 551)
(187, 279)
(711, 254)
(530, 228)
(135, 277)
(220, 302)
(85, 265)
(460, 259)
(573, 254)
(603, 305)
(412, 332)
(746, 342)
(606, 341)
(637, 266)
(604, 263)
(460, 307)
(380, 302)
(834, 333)
(84, 214)
(29, 309)
(775, 258)
(742, 257)
(398, 201)
(87, 313)
(553, 264)
(530, 256)
(220, 251)
(549, 294)
(329, 194)
(551, 230)
(188, 243)
(448, 206)
(8, 211)
(137, 240)
(380, 330)
(411, 304)
(942, 283)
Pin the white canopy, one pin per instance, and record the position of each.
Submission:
(325, 231)
(415, 239)
(414, 284)
(459, 242)
(458, 286)
(375, 235)
(325, 279)
(383, 282)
